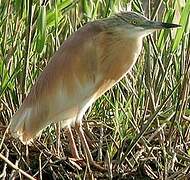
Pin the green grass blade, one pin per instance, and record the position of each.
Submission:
(183, 22)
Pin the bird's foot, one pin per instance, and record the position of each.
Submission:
(77, 162)
(97, 166)
(81, 163)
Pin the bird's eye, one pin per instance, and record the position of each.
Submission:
(134, 22)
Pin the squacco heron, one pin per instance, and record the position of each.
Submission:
(86, 65)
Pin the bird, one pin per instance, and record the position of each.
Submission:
(91, 61)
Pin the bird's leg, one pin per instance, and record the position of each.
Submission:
(88, 154)
(74, 150)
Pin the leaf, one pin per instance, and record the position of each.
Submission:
(41, 29)
(164, 34)
(183, 22)
(62, 6)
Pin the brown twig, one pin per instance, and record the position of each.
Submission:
(16, 167)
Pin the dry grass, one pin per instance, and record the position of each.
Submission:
(138, 130)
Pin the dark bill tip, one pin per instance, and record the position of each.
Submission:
(169, 25)
(161, 25)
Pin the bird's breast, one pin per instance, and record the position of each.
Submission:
(116, 57)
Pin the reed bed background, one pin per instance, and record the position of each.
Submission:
(140, 129)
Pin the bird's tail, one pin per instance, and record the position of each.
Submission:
(25, 124)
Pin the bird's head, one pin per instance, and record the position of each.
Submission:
(136, 25)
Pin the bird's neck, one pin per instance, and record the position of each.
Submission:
(122, 53)
(117, 57)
